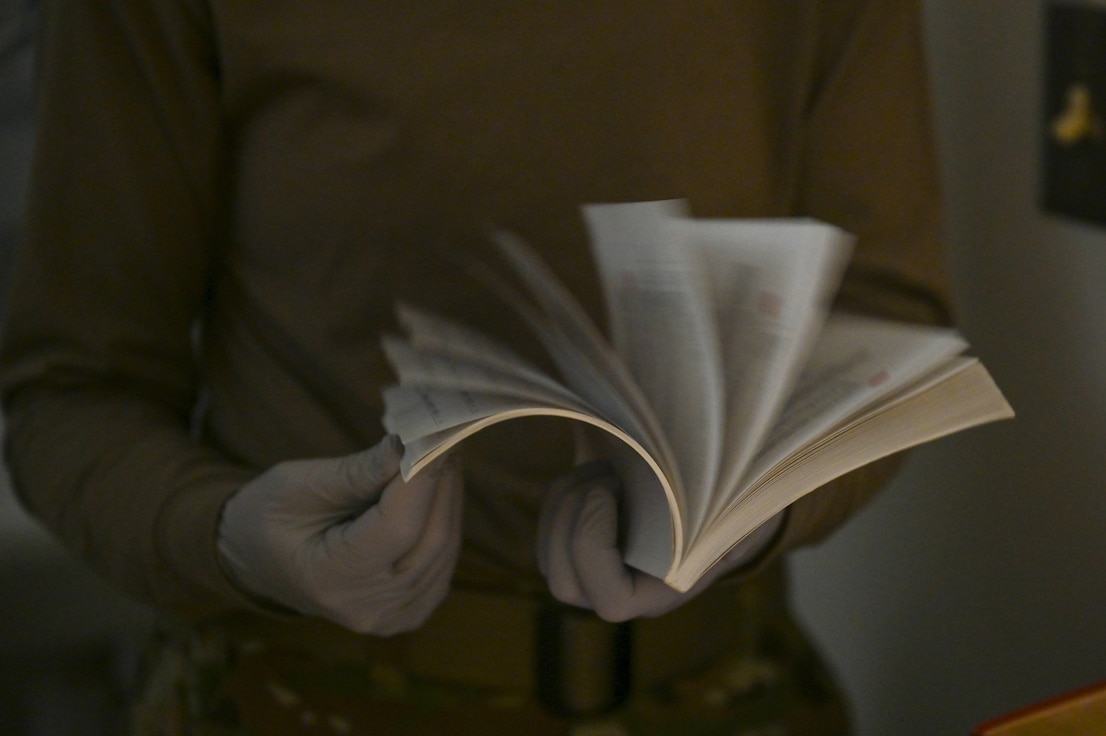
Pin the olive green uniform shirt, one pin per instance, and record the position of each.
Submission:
(229, 196)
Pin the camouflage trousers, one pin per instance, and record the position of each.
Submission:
(753, 674)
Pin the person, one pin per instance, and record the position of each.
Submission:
(229, 198)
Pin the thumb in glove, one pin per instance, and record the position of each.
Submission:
(578, 552)
(347, 539)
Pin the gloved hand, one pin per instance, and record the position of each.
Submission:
(347, 539)
(578, 553)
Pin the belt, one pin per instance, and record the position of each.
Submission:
(568, 658)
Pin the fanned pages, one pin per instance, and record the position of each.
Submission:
(728, 389)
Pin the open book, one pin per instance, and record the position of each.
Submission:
(727, 391)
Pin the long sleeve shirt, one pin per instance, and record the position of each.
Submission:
(229, 197)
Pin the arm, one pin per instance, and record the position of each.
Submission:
(98, 374)
(870, 163)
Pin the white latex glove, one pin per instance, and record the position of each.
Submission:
(578, 553)
(347, 539)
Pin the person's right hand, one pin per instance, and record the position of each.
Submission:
(347, 539)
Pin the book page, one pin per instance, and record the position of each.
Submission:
(455, 380)
(957, 396)
(586, 361)
(425, 368)
(856, 362)
(431, 421)
(592, 369)
(458, 375)
(432, 333)
(772, 282)
(663, 328)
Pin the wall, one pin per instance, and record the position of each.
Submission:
(977, 584)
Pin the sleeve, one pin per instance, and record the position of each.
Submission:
(870, 168)
(870, 162)
(98, 370)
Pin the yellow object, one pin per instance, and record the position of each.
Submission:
(1079, 120)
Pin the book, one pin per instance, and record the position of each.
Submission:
(1080, 712)
(728, 388)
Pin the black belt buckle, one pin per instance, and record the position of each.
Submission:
(583, 662)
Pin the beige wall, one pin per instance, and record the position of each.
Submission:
(978, 583)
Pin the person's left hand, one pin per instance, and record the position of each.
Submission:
(577, 549)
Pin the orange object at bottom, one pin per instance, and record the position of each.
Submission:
(1078, 713)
